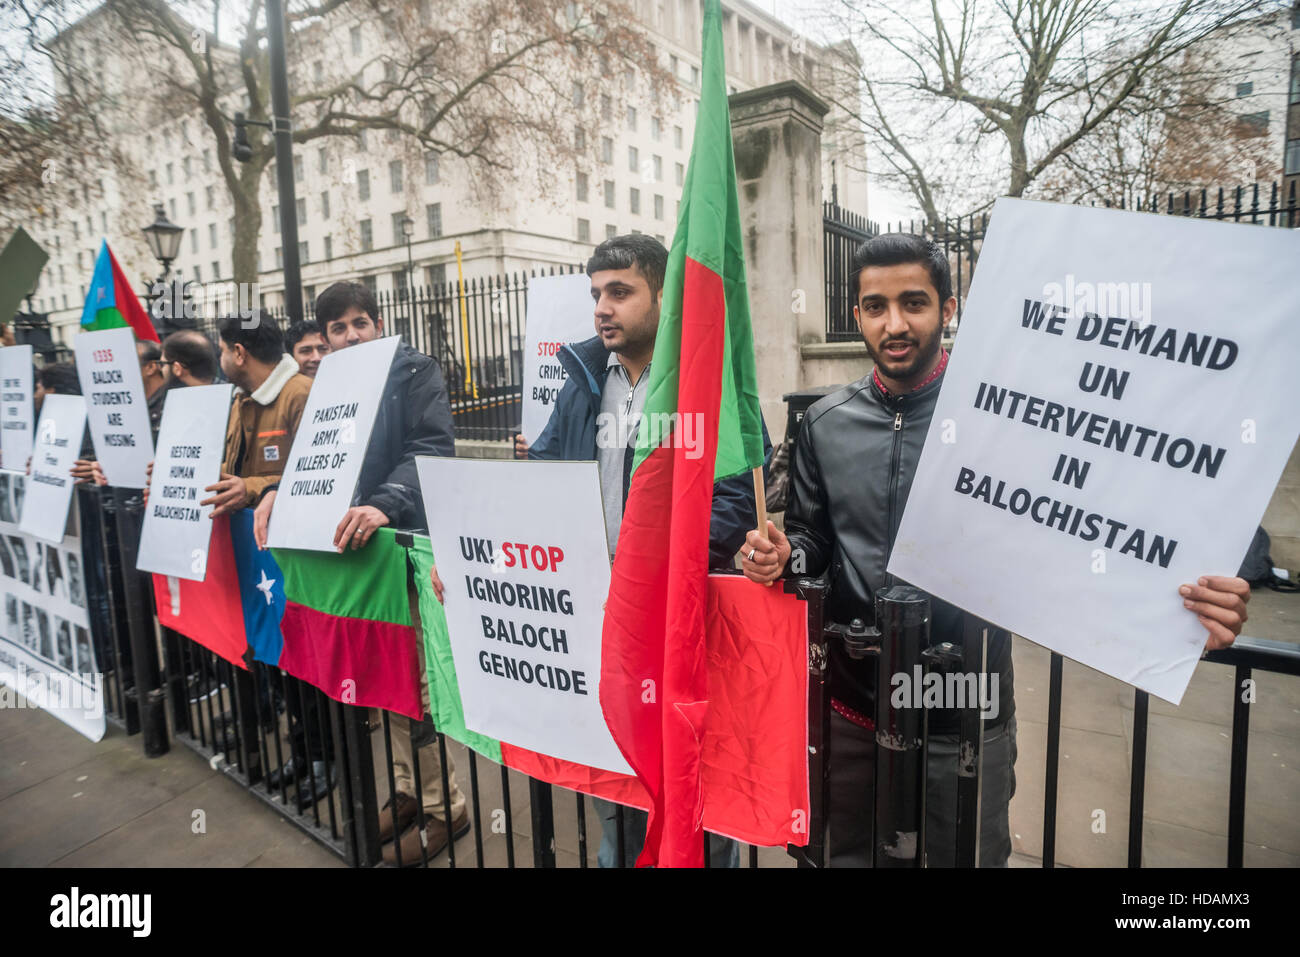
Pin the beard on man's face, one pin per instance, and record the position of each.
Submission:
(923, 353)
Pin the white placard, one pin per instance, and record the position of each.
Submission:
(1157, 405)
(526, 578)
(325, 462)
(49, 488)
(109, 369)
(191, 443)
(46, 652)
(560, 311)
(15, 407)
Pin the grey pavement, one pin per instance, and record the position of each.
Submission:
(69, 802)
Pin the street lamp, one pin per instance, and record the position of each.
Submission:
(408, 230)
(164, 239)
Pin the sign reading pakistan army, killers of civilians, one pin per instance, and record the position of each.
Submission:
(15, 407)
(525, 579)
(109, 369)
(49, 487)
(560, 311)
(330, 445)
(1118, 410)
(191, 442)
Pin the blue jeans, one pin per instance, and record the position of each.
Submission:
(723, 851)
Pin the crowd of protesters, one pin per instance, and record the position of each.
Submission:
(847, 493)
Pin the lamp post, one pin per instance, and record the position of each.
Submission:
(164, 239)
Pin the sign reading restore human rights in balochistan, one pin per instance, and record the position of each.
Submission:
(1119, 407)
(525, 583)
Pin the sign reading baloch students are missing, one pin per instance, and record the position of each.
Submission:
(109, 369)
(330, 445)
(1118, 409)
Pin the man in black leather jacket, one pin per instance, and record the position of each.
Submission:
(854, 461)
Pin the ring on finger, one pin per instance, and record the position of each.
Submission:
(751, 554)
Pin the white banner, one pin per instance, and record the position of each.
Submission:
(560, 311)
(46, 653)
(526, 577)
(321, 474)
(109, 369)
(15, 407)
(1118, 409)
(191, 442)
(49, 489)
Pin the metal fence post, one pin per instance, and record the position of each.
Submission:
(129, 506)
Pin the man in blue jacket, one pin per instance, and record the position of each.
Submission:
(596, 417)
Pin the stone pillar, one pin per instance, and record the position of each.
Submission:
(776, 131)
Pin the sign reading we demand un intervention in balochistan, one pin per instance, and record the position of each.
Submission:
(1118, 410)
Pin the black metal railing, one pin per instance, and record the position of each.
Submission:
(962, 237)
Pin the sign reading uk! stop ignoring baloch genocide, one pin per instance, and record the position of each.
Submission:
(330, 445)
(525, 579)
(1118, 409)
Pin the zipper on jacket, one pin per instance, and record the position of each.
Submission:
(895, 455)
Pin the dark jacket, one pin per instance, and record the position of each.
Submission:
(414, 418)
(853, 466)
(570, 434)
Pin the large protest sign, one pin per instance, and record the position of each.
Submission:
(109, 370)
(191, 442)
(321, 474)
(15, 407)
(46, 652)
(526, 577)
(559, 312)
(58, 443)
(1118, 409)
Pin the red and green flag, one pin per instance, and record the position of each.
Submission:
(347, 624)
(110, 303)
(654, 689)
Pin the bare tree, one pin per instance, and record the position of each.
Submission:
(498, 84)
(966, 100)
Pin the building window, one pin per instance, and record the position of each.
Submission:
(355, 33)
(1292, 157)
(212, 235)
(363, 184)
(1245, 89)
(581, 181)
(633, 159)
(695, 76)
(194, 240)
(584, 231)
(361, 139)
(153, 178)
(609, 193)
(606, 150)
(606, 107)
(1252, 124)
(431, 169)
(659, 207)
(634, 200)
(198, 273)
(300, 207)
(325, 205)
(303, 258)
(189, 202)
(579, 138)
(395, 176)
(631, 119)
(185, 166)
(275, 219)
(578, 96)
(433, 214)
(658, 166)
(656, 129)
(329, 247)
(367, 236)
(211, 197)
(611, 231)
(279, 258)
(680, 170)
(399, 236)
(216, 270)
(436, 275)
(1295, 72)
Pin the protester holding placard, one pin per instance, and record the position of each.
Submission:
(154, 378)
(852, 471)
(597, 416)
(414, 418)
(189, 359)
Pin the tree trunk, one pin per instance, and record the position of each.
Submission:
(248, 221)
